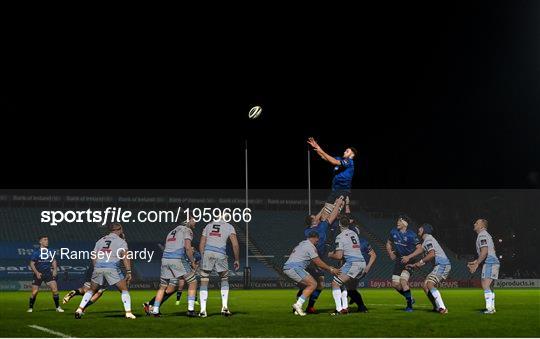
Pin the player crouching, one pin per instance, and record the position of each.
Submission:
(432, 250)
(295, 268)
(109, 269)
(348, 248)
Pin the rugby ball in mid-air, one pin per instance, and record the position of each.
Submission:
(254, 112)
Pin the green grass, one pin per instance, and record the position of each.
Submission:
(266, 313)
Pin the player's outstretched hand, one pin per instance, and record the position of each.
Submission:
(405, 259)
(236, 265)
(339, 202)
(313, 143)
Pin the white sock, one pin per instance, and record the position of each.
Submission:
(488, 297)
(203, 295)
(300, 301)
(126, 299)
(336, 293)
(86, 298)
(224, 294)
(344, 299)
(438, 298)
(493, 299)
(191, 303)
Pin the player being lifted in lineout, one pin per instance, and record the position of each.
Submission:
(343, 173)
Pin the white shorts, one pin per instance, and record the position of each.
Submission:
(111, 275)
(296, 274)
(439, 273)
(490, 271)
(172, 269)
(212, 260)
(353, 269)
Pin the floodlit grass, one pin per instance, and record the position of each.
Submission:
(267, 313)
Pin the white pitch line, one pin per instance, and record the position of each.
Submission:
(421, 306)
(59, 334)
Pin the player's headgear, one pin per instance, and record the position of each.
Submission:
(428, 229)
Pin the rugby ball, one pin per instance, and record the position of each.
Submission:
(254, 112)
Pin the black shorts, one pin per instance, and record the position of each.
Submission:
(46, 277)
(315, 271)
(352, 284)
(336, 194)
(400, 267)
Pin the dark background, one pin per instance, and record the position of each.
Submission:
(432, 95)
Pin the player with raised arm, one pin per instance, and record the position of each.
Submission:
(402, 242)
(45, 270)
(175, 266)
(343, 173)
(348, 248)
(486, 255)
(108, 269)
(295, 268)
(213, 249)
(320, 224)
(433, 251)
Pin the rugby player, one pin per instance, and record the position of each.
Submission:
(45, 270)
(487, 256)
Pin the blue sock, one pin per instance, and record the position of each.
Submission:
(56, 299)
(408, 296)
(313, 298)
